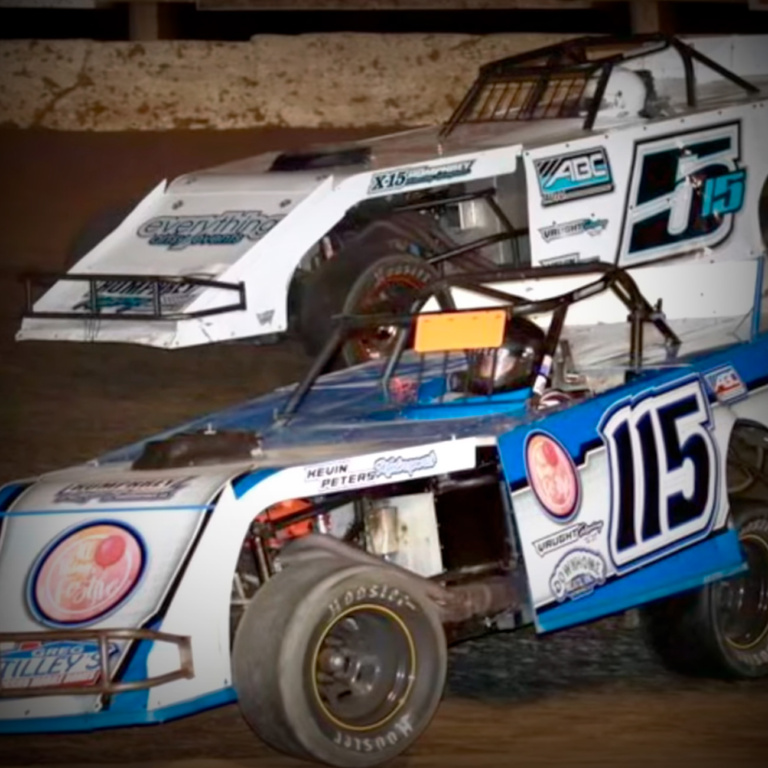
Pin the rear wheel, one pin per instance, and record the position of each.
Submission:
(722, 629)
(339, 663)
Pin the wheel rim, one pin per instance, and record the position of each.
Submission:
(743, 601)
(394, 293)
(364, 668)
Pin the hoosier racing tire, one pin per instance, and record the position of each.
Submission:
(340, 663)
(721, 629)
(362, 283)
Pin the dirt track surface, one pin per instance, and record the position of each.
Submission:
(589, 696)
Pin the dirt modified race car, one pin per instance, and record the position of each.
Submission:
(536, 444)
(621, 151)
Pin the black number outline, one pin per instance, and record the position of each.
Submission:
(615, 470)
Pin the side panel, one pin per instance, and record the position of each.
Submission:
(174, 574)
(670, 187)
(201, 605)
(249, 229)
(622, 500)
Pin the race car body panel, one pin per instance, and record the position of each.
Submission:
(638, 504)
(114, 549)
(220, 226)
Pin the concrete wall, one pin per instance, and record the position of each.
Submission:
(334, 80)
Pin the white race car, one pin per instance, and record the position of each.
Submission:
(625, 152)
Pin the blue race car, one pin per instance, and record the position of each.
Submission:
(564, 449)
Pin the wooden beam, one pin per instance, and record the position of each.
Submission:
(144, 21)
(651, 16)
(394, 5)
(152, 20)
(645, 16)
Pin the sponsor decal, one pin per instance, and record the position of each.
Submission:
(426, 174)
(342, 474)
(726, 384)
(573, 176)
(586, 532)
(577, 575)
(402, 729)
(399, 465)
(137, 296)
(553, 476)
(229, 228)
(567, 258)
(122, 491)
(570, 228)
(685, 191)
(265, 318)
(54, 664)
(86, 574)
(338, 475)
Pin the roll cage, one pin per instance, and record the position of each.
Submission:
(552, 82)
(607, 278)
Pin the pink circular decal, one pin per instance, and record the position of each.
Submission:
(552, 476)
(87, 574)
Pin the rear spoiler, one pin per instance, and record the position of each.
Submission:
(148, 306)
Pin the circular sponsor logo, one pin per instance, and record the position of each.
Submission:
(86, 573)
(553, 476)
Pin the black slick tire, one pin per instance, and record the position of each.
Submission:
(339, 663)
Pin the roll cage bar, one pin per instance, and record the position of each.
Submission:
(550, 82)
(607, 277)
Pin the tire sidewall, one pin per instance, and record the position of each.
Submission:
(331, 597)
(751, 662)
(381, 271)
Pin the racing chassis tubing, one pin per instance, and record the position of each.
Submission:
(611, 277)
(105, 686)
(571, 58)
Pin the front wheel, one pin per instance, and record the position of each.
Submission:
(344, 664)
(364, 284)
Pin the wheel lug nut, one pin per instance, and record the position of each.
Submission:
(331, 661)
